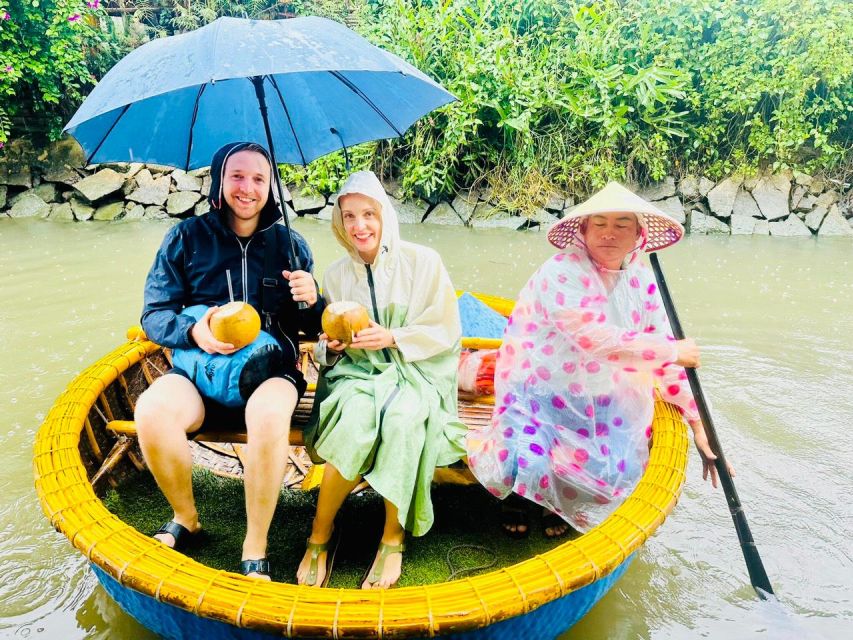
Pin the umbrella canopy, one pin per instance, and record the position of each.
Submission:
(176, 100)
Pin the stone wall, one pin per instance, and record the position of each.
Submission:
(53, 183)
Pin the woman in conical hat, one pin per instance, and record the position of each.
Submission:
(586, 345)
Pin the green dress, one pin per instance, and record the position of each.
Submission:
(391, 415)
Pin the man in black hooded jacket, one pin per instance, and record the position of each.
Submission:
(189, 269)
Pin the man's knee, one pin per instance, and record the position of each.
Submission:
(172, 403)
(270, 408)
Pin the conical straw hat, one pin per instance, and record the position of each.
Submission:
(663, 230)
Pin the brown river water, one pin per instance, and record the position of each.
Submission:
(774, 317)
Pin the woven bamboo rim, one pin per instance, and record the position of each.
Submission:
(141, 563)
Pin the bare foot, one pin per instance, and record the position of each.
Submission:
(553, 525)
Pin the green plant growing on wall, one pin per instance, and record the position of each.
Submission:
(51, 53)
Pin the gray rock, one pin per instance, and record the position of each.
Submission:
(828, 199)
(304, 199)
(181, 202)
(3, 192)
(186, 182)
(797, 194)
(144, 177)
(133, 211)
(705, 185)
(817, 186)
(750, 183)
(82, 210)
(802, 178)
(790, 226)
(743, 225)
(62, 152)
(772, 193)
(806, 203)
(27, 205)
(409, 211)
(154, 192)
(489, 217)
(659, 190)
(540, 218)
(109, 211)
(702, 224)
(745, 205)
(465, 204)
(762, 228)
(129, 187)
(556, 203)
(202, 207)
(443, 213)
(688, 188)
(100, 184)
(834, 224)
(18, 175)
(63, 175)
(721, 198)
(205, 185)
(325, 213)
(815, 217)
(133, 168)
(47, 192)
(155, 213)
(61, 212)
(204, 172)
(393, 188)
(673, 207)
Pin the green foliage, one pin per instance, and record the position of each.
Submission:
(51, 53)
(583, 92)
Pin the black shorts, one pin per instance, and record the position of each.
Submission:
(219, 417)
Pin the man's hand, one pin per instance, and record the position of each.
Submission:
(204, 338)
(700, 439)
(374, 338)
(302, 286)
(688, 353)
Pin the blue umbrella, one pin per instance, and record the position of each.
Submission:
(302, 87)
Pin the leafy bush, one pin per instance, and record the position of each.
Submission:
(51, 54)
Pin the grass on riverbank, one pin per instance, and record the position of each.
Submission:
(465, 515)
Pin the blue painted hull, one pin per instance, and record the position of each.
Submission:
(548, 621)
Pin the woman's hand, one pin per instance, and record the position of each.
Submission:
(700, 439)
(688, 353)
(204, 338)
(302, 286)
(335, 346)
(374, 338)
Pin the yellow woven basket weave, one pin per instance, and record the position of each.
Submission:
(141, 563)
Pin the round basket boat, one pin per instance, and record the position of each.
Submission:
(81, 447)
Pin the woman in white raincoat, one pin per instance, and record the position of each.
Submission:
(586, 345)
(386, 403)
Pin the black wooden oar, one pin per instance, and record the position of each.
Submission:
(757, 574)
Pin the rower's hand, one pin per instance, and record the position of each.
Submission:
(335, 346)
(204, 338)
(302, 286)
(688, 353)
(374, 338)
(700, 439)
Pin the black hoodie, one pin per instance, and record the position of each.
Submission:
(190, 267)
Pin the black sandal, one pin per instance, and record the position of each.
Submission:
(184, 538)
(261, 566)
(515, 512)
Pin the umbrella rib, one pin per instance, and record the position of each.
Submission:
(107, 134)
(192, 126)
(362, 95)
(289, 121)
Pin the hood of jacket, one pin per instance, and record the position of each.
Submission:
(270, 214)
(366, 183)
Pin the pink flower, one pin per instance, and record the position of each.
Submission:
(9, 68)
(6, 16)
(93, 5)
(2, 144)
(74, 18)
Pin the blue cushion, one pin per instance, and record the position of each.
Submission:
(479, 320)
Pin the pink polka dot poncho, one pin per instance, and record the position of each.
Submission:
(574, 389)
